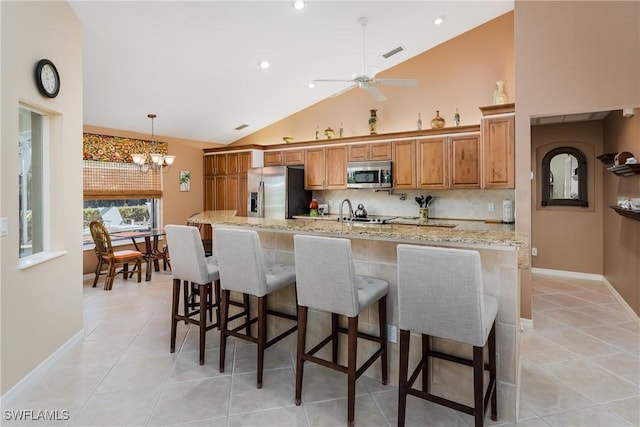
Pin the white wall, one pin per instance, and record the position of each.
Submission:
(41, 307)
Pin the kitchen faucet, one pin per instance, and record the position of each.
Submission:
(340, 217)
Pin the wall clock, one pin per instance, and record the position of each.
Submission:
(47, 78)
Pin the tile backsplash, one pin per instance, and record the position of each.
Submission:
(447, 204)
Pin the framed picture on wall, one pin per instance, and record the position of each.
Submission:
(185, 180)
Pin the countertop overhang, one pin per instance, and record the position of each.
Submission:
(474, 233)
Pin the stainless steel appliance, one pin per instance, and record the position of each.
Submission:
(277, 192)
(369, 174)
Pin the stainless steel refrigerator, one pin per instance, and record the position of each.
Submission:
(277, 192)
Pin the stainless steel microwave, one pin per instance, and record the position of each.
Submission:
(369, 174)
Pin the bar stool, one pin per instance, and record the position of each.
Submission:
(191, 268)
(440, 294)
(329, 283)
(242, 269)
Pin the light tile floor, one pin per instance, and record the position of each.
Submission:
(580, 367)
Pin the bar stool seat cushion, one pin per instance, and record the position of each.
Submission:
(279, 276)
(190, 265)
(370, 290)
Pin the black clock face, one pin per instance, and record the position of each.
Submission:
(47, 78)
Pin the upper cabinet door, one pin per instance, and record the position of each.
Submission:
(498, 152)
(372, 151)
(432, 163)
(233, 164)
(464, 161)
(336, 167)
(380, 151)
(314, 169)
(404, 164)
(293, 157)
(245, 162)
(273, 158)
(220, 164)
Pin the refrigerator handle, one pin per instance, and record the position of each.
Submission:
(261, 199)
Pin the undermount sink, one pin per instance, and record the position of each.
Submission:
(418, 222)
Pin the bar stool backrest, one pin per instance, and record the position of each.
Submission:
(440, 293)
(187, 254)
(241, 261)
(325, 274)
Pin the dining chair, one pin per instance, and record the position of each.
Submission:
(441, 294)
(326, 282)
(106, 255)
(243, 270)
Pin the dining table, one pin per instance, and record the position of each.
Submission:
(151, 253)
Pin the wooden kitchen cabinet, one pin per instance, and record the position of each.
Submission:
(245, 161)
(273, 158)
(370, 152)
(432, 163)
(293, 157)
(220, 192)
(336, 168)
(498, 152)
(325, 168)
(464, 161)
(243, 195)
(233, 164)
(404, 164)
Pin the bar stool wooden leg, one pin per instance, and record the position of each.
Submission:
(224, 315)
(245, 298)
(382, 320)
(334, 337)
(186, 301)
(426, 353)
(478, 386)
(403, 376)
(204, 290)
(492, 372)
(174, 312)
(351, 368)
(302, 340)
(262, 336)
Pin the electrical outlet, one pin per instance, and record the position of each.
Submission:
(4, 227)
(491, 207)
(534, 251)
(392, 333)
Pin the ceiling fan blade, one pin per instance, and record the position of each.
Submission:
(397, 82)
(343, 90)
(376, 93)
(334, 80)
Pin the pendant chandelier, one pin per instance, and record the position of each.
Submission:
(153, 160)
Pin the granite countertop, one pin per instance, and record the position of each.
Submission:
(465, 232)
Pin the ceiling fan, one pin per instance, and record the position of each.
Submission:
(363, 81)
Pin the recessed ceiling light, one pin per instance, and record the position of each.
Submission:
(299, 4)
(311, 85)
(439, 20)
(264, 63)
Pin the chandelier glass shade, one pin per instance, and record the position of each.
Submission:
(152, 160)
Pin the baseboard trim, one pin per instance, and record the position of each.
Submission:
(13, 391)
(563, 273)
(526, 324)
(621, 300)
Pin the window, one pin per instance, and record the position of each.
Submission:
(120, 215)
(116, 192)
(31, 181)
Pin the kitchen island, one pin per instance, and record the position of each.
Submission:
(502, 253)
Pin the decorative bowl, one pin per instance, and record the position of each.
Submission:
(287, 139)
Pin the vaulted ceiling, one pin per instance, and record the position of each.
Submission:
(196, 64)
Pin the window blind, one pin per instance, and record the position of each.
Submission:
(117, 180)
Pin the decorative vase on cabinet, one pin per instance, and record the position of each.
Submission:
(437, 122)
(373, 122)
(499, 95)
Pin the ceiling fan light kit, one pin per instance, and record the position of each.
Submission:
(369, 83)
